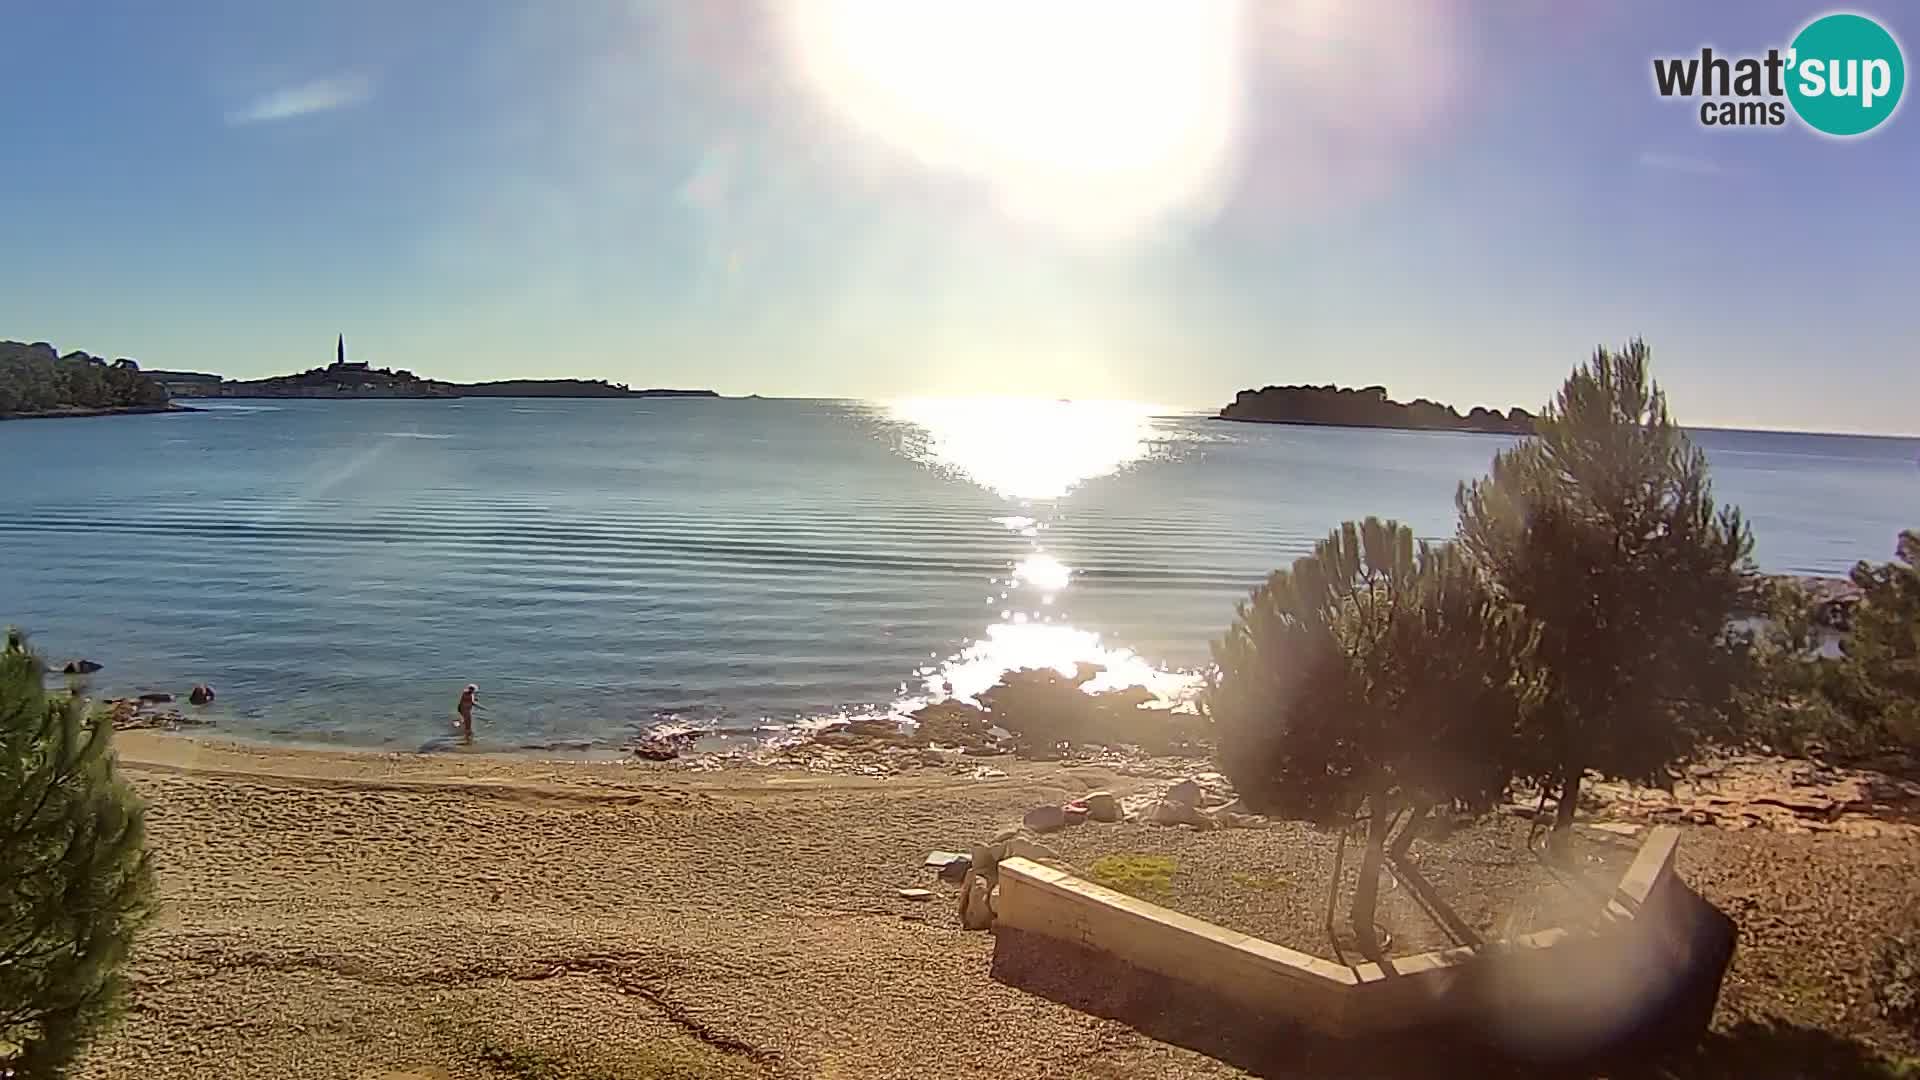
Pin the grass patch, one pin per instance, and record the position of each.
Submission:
(1135, 875)
(1259, 882)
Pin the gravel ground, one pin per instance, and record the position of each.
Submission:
(380, 917)
(1272, 882)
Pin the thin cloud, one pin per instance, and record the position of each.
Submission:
(320, 95)
(1680, 163)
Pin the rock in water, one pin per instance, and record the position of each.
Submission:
(80, 667)
(1186, 791)
(155, 697)
(1045, 818)
(201, 694)
(1102, 806)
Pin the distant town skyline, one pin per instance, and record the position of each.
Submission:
(883, 198)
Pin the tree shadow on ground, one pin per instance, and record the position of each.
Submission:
(1175, 1012)
(1774, 1049)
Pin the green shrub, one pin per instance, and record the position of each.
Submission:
(1863, 704)
(1882, 647)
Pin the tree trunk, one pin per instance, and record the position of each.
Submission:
(1410, 831)
(1366, 894)
(1569, 801)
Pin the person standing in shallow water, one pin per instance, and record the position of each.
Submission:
(469, 701)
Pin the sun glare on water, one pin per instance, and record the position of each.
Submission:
(1037, 453)
(1028, 449)
(1096, 115)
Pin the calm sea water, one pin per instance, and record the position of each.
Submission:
(338, 570)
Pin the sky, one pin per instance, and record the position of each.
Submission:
(1155, 201)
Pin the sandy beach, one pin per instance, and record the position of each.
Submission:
(343, 914)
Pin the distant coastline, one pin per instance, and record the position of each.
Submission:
(77, 411)
(350, 381)
(37, 382)
(1370, 407)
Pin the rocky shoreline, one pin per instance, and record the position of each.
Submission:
(105, 410)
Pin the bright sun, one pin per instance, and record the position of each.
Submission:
(1095, 115)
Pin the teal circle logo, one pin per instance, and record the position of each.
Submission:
(1845, 74)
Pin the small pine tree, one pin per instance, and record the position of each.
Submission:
(1603, 530)
(1882, 648)
(1370, 678)
(75, 880)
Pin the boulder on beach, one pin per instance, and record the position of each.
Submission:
(986, 858)
(1045, 819)
(1175, 812)
(1102, 806)
(79, 667)
(156, 697)
(1186, 791)
(976, 912)
(1022, 848)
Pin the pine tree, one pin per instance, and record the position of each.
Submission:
(1602, 529)
(75, 881)
(1882, 648)
(1371, 679)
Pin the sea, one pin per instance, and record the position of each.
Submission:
(746, 569)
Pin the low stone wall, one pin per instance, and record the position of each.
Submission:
(1566, 987)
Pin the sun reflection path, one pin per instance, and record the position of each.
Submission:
(1008, 646)
(1034, 453)
(1027, 449)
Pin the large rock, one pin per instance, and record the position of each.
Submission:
(201, 694)
(986, 858)
(976, 908)
(1042, 819)
(1021, 847)
(156, 697)
(1173, 812)
(80, 667)
(1102, 806)
(1215, 788)
(1188, 792)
